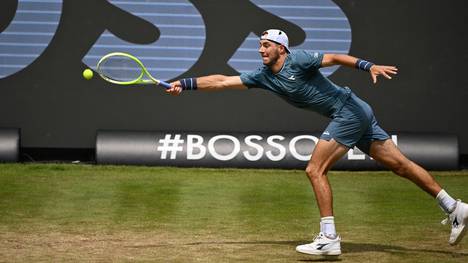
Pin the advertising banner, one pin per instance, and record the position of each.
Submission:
(9, 144)
(257, 150)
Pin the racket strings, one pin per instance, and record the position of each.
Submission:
(120, 68)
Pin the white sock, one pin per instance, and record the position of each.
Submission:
(446, 202)
(327, 226)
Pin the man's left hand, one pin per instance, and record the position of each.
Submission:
(385, 71)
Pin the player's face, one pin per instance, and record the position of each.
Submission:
(269, 51)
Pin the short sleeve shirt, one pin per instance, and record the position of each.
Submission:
(300, 83)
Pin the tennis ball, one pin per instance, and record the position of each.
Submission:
(87, 74)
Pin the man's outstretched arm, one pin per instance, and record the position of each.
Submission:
(207, 83)
(350, 61)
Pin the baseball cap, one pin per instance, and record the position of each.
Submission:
(277, 36)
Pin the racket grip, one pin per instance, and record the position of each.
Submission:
(165, 84)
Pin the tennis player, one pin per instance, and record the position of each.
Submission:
(295, 76)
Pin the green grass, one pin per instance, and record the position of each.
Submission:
(60, 212)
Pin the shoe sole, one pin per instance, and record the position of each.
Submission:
(321, 253)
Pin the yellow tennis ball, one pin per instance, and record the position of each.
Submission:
(87, 74)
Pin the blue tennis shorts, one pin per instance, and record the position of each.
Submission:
(354, 125)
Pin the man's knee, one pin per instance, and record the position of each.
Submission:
(314, 172)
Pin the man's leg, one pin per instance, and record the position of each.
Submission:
(325, 154)
(389, 155)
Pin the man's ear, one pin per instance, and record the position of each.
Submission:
(282, 49)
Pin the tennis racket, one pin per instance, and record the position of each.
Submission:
(125, 69)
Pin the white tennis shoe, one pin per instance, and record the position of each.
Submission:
(322, 245)
(459, 219)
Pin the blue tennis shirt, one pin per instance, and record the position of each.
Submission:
(301, 83)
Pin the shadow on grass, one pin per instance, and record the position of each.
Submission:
(346, 248)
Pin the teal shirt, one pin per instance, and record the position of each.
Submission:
(300, 83)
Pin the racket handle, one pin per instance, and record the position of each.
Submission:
(165, 84)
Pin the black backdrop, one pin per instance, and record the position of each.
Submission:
(56, 108)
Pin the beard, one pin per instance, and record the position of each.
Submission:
(272, 59)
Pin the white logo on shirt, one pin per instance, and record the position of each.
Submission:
(292, 77)
(326, 133)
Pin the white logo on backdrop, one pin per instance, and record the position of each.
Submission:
(226, 147)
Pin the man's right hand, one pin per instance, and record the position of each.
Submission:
(175, 89)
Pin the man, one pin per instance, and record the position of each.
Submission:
(295, 76)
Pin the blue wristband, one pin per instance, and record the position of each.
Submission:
(364, 65)
(189, 83)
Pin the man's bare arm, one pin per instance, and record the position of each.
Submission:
(350, 61)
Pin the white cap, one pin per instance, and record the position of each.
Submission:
(277, 36)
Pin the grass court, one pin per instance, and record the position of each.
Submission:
(71, 213)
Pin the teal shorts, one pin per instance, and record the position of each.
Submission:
(354, 125)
